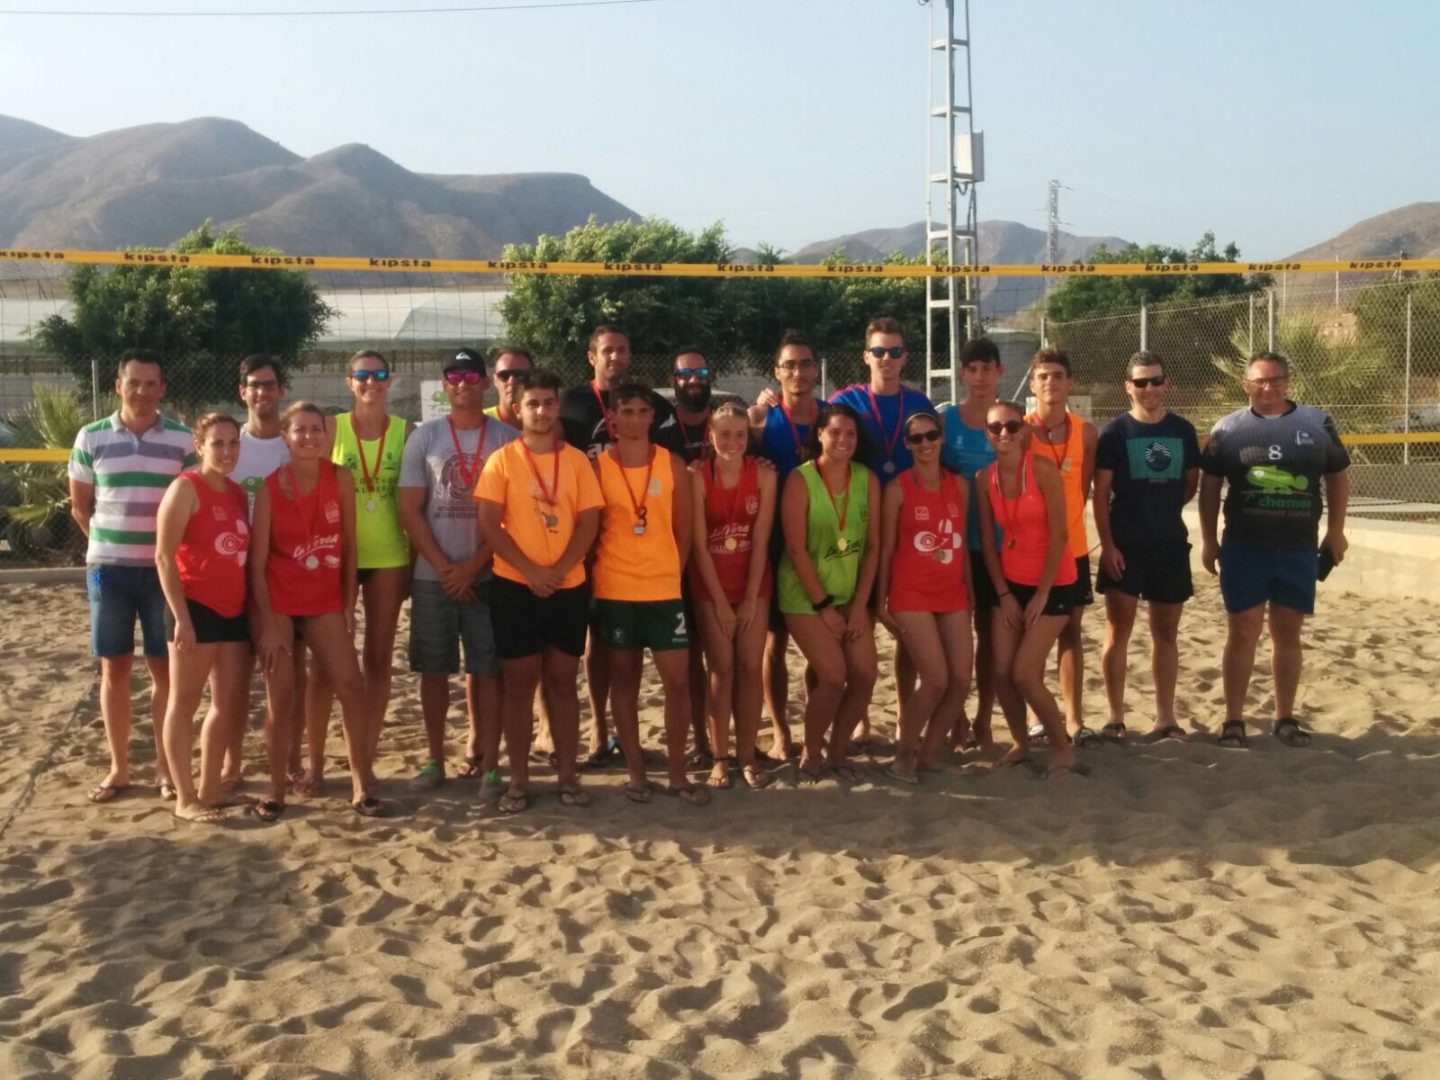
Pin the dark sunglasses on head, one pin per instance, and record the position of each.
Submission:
(366, 374)
(879, 352)
(692, 373)
(1154, 380)
(915, 438)
(1009, 427)
(455, 378)
(508, 374)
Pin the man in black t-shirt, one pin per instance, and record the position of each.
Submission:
(1147, 467)
(585, 409)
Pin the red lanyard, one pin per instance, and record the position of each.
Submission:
(729, 506)
(637, 505)
(604, 410)
(841, 518)
(894, 437)
(469, 473)
(794, 431)
(1008, 525)
(551, 496)
(1050, 447)
(370, 477)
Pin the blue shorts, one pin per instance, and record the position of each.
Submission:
(1249, 577)
(118, 596)
(440, 625)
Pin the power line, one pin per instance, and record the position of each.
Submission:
(310, 14)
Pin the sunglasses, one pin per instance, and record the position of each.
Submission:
(915, 438)
(509, 373)
(1154, 380)
(681, 374)
(455, 378)
(894, 352)
(795, 365)
(366, 374)
(1008, 427)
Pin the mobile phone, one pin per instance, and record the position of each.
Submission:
(1326, 562)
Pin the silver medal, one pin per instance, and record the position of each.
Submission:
(371, 506)
(639, 530)
(890, 468)
(551, 521)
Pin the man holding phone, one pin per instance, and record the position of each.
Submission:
(1275, 456)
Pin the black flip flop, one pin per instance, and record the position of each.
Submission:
(268, 810)
(369, 806)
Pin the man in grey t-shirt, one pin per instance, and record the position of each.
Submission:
(449, 593)
(1275, 456)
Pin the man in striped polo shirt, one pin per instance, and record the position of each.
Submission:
(119, 470)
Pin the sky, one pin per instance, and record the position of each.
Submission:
(1275, 124)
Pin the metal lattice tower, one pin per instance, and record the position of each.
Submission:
(955, 163)
(1052, 237)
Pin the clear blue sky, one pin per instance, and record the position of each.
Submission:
(1275, 123)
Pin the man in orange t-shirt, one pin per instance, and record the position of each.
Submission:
(539, 512)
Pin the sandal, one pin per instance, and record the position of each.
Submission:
(369, 806)
(574, 796)
(471, 767)
(1114, 731)
(1084, 737)
(811, 770)
(1170, 731)
(602, 757)
(639, 794)
(1232, 735)
(693, 794)
(905, 776)
(514, 802)
(268, 810)
(754, 779)
(1288, 730)
(720, 774)
(1036, 734)
(102, 793)
(167, 789)
(846, 771)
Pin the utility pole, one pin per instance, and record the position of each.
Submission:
(955, 163)
(1052, 235)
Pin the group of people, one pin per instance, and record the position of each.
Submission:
(602, 520)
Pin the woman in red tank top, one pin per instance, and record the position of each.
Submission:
(202, 537)
(734, 507)
(1033, 575)
(924, 594)
(303, 584)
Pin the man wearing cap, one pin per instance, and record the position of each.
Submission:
(507, 363)
(449, 594)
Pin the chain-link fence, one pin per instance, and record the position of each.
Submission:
(1365, 351)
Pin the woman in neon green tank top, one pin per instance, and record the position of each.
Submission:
(370, 443)
(830, 511)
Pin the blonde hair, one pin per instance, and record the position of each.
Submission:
(728, 409)
(296, 409)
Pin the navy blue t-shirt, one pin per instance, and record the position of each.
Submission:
(1149, 462)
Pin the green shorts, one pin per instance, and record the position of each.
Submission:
(656, 625)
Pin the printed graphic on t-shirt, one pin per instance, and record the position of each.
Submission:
(1156, 458)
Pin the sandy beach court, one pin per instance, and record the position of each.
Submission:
(1183, 911)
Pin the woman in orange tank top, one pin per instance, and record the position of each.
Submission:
(1033, 577)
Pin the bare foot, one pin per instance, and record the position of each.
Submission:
(719, 775)
(310, 784)
(199, 813)
(1016, 755)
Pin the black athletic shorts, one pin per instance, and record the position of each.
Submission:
(526, 624)
(985, 598)
(210, 626)
(1159, 573)
(1080, 593)
(1061, 602)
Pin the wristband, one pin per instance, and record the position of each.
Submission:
(821, 605)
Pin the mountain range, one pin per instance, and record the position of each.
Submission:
(149, 185)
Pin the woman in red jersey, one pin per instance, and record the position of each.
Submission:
(925, 591)
(730, 578)
(1033, 576)
(303, 584)
(201, 541)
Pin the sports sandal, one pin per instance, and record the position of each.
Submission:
(1232, 735)
(1288, 730)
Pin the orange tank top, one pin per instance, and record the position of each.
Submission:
(1069, 458)
(1024, 528)
(637, 558)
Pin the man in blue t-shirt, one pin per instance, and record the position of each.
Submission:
(1147, 467)
(883, 405)
(966, 450)
(1275, 456)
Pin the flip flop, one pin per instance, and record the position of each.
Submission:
(720, 775)
(847, 772)
(1010, 763)
(602, 757)
(1036, 734)
(693, 794)
(1232, 735)
(1288, 730)
(369, 806)
(754, 779)
(268, 810)
(574, 796)
(103, 793)
(471, 767)
(894, 772)
(1115, 731)
(167, 789)
(1084, 737)
(811, 770)
(1170, 731)
(638, 794)
(514, 802)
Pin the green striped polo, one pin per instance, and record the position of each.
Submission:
(130, 474)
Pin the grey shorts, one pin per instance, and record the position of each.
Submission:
(440, 624)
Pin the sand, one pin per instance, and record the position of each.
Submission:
(1182, 911)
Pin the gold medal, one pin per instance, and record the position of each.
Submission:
(842, 544)
(731, 543)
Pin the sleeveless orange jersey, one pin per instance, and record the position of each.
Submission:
(1069, 458)
(634, 563)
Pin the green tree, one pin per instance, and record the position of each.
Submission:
(201, 320)
(35, 518)
(1087, 295)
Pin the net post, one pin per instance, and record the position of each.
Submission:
(1409, 332)
(1269, 319)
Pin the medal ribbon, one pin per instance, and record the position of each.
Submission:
(734, 501)
(370, 477)
(893, 439)
(1008, 525)
(549, 496)
(1065, 446)
(604, 410)
(795, 431)
(637, 505)
(841, 518)
(467, 477)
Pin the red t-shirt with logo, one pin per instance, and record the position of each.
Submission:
(302, 571)
(211, 556)
(927, 571)
(730, 529)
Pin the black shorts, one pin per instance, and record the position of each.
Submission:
(985, 598)
(1061, 602)
(1159, 573)
(526, 624)
(210, 626)
(1080, 593)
